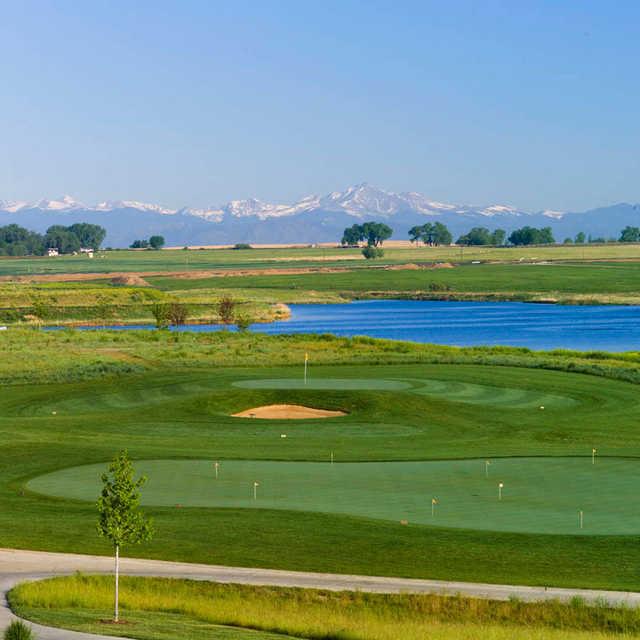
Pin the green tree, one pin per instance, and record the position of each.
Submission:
(160, 312)
(580, 238)
(119, 517)
(139, 244)
(530, 235)
(498, 237)
(375, 233)
(156, 242)
(352, 235)
(630, 234)
(478, 236)
(62, 239)
(89, 235)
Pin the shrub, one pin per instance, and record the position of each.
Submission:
(18, 630)
(161, 314)
(243, 321)
(371, 253)
(242, 245)
(226, 308)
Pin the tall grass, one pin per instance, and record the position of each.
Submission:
(327, 615)
(70, 355)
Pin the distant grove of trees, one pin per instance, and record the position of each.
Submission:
(373, 233)
(18, 241)
(436, 233)
(154, 242)
(433, 234)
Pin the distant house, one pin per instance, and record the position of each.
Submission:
(86, 250)
(52, 252)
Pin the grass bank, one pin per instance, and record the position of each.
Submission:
(154, 607)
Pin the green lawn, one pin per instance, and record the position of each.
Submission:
(169, 397)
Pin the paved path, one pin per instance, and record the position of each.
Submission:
(20, 566)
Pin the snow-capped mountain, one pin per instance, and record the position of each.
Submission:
(310, 219)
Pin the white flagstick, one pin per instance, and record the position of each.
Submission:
(593, 455)
(332, 457)
(500, 486)
(306, 360)
(434, 502)
(486, 468)
(581, 519)
(217, 466)
(255, 490)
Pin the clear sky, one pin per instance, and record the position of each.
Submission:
(534, 104)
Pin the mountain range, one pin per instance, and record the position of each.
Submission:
(311, 219)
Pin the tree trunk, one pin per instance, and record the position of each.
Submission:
(115, 615)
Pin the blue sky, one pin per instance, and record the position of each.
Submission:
(193, 103)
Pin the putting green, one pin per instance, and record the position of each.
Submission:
(455, 391)
(541, 495)
(347, 384)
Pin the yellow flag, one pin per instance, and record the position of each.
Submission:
(434, 501)
(306, 357)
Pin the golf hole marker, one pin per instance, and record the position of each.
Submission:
(434, 502)
(306, 365)
(500, 487)
(216, 466)
(581, 518)
(593, 455)
(255, 490)
(487, 464)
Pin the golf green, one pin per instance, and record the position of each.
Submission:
(539, 495)
(452, 390)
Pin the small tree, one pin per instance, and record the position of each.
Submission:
(156, 242)
(243, 322)
(226, 309)
(160, 312)
(178, 314)
(120, 519)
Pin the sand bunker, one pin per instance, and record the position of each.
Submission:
(287, 412)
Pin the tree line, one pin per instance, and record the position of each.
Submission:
(18, 241)
(436, 234)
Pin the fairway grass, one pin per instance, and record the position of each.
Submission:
(154, 607)
(170, 398)
(540, 495)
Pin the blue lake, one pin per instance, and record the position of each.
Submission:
(537, 326)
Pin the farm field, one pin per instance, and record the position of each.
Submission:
(259, 291)
(208, 259)
(169, 400)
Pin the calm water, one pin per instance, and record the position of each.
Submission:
(537, 326)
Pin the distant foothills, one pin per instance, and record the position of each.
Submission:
(310, 220)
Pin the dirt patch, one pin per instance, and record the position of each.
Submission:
(130, 281)
(412, 266)
(287, 412)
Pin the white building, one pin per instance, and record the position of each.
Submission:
(52, 252)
